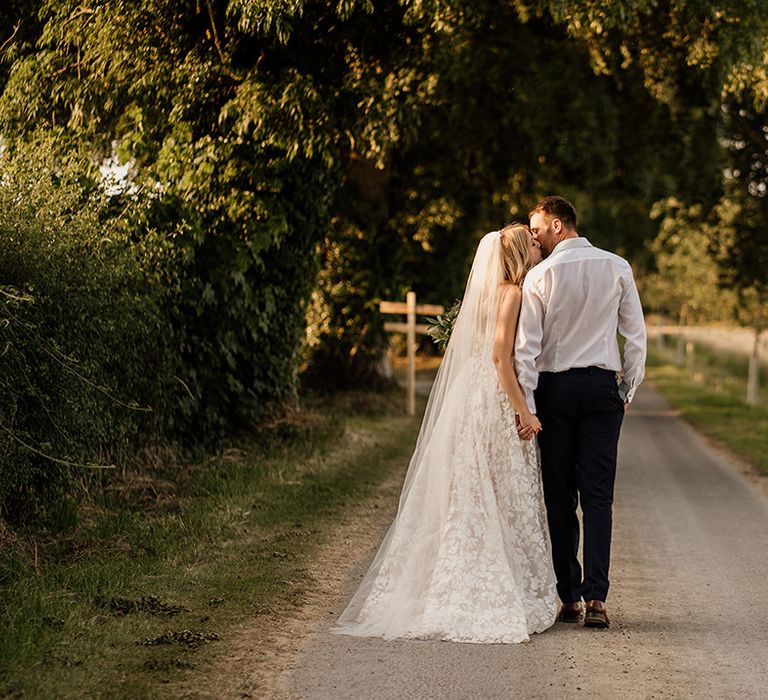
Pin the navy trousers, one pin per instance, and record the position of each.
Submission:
(581, 414)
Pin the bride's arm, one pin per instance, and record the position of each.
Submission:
(510, 298)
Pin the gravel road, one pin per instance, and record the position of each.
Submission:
(688, 598)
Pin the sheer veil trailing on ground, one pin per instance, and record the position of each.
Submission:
(467, 555)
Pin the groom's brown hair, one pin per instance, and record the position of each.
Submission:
(556, 206)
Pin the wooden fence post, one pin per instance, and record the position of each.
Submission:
(689, 355)
(411, 329)
(410, 301)
(680, 353)
(754, 371)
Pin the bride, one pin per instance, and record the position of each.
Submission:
(467, 557)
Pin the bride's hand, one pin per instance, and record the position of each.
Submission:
(535, 423)
(527, 425)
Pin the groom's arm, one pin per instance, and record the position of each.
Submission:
(530, 332)
(632, 328)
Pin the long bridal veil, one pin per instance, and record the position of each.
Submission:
(451, 533)
(471, 342)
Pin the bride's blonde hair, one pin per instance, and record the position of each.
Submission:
(515, 252)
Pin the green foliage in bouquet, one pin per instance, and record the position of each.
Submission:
(441, 327)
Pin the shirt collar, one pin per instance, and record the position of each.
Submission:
(571, 243)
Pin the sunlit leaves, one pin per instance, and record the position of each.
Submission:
(267, 18)
(726, 39)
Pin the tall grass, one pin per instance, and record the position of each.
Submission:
(225, 539)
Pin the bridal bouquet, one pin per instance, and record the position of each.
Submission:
(441, 327)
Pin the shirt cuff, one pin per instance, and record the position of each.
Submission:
(626, 393)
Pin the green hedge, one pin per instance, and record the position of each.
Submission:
(86, 366)
(130, 319)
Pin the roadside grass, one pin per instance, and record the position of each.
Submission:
(710, 395)
(141, 591)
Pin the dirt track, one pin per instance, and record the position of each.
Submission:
(688, 598)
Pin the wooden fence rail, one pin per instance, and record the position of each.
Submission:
(411, 329)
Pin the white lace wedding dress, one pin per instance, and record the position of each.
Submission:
(467, 557)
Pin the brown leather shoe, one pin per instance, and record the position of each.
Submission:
(597, 615)
(571, 612)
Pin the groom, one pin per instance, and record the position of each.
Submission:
(567, 360)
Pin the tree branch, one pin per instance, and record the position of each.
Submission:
(10, 38)
(217, 43)
(54, 459)
(82, 11)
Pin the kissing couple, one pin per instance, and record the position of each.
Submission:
(521, 427)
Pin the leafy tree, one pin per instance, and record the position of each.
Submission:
(516, 112)
(744, 209)
(685, 282)
(238, 120)
(719, 45)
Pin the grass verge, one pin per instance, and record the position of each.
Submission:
(710, 395)
(141, 593)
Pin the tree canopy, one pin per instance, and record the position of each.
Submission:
(312, 157)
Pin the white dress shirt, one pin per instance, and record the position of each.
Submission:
(573, 304)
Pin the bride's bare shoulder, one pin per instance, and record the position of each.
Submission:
(509, 293)
(510, 299)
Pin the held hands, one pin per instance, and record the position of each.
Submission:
(527, 425)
